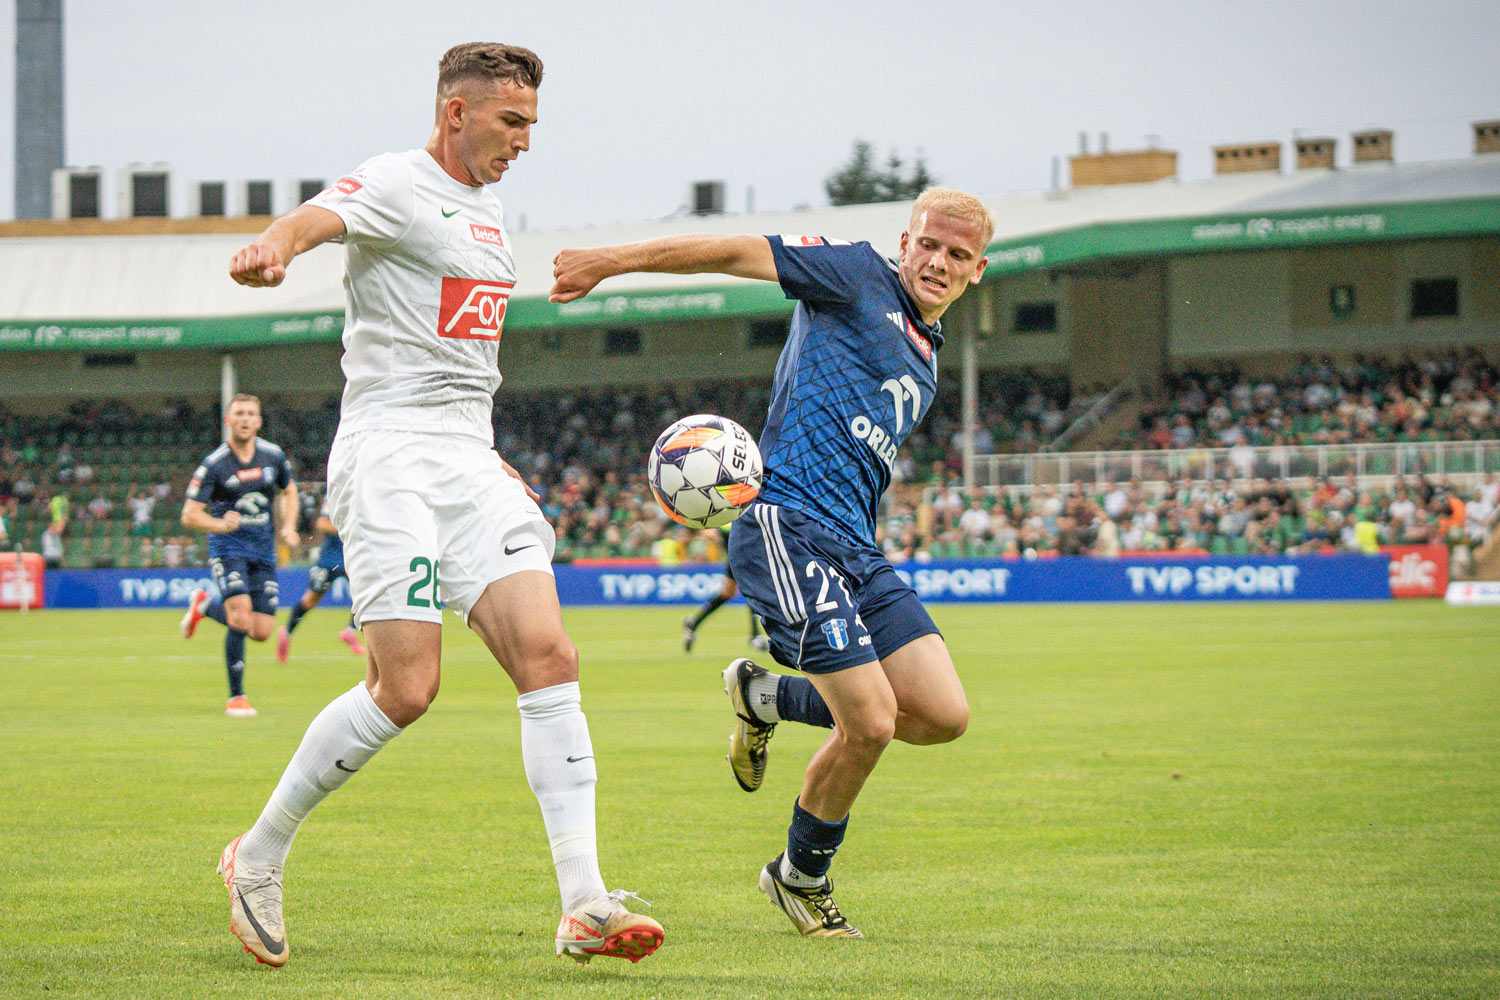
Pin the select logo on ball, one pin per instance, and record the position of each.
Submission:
(704, 470)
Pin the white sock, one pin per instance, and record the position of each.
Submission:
(559, 761)
(340, 741)
(762, 697)
(791, 875)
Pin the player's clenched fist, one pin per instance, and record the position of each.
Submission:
(231, 521)
(258, 265)
(576, 272)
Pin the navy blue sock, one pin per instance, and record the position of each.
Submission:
(234, 660)
(811, 843)
(709, 607)
(798, 701)
(754, 625)
(297, 612)
(215, 610)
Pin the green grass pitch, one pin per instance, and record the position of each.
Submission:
(1166, 801)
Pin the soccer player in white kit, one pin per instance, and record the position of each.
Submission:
(429, 512)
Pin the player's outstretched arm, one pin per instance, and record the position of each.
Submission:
(263, 263)
(576, 272)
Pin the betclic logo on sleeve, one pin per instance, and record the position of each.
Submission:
(472, 308)
(339, 190)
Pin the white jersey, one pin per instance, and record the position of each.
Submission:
(428, 273)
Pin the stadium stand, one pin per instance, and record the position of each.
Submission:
(1448, 397)
(123, 471)
(1255, 333)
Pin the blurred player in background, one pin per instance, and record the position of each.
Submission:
(691, 623)
(232, 497)
(429, 513)
(858, 373)
(329, 568)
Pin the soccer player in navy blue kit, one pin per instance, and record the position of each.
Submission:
(858, 373)
(320, 580)
(232, 497)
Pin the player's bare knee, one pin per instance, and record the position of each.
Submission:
(260, 631)
(951, 725)
(870, 732)
(555, 662)
(407, 703)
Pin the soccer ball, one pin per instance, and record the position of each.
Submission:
(704, 471)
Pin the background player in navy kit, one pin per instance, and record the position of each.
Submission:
(232, 497)
(691, 623)
(857, 374)
(320, 578)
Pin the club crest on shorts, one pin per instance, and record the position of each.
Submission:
(837, 631)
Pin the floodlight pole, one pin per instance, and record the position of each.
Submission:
(228, 386)
(980, 320)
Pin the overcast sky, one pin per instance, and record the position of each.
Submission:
(641, 99)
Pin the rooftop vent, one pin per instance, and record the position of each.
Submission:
(1374, 145)
(708, 198)
(1130, 166)
(1487, 136)
(76, 193)
(145, 191)
(1247, 157)
(1315, 153)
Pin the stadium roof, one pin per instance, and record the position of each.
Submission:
(173, 290)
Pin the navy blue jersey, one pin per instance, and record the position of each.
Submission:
(224, 483)
(331, 551)
(858, 373)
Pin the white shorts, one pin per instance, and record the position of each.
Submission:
(429, 520)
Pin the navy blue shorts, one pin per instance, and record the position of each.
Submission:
(330, 565)
(828, 603)
(256, 577)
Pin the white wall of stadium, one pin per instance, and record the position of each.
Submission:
(1279, 301)
(1270, 304)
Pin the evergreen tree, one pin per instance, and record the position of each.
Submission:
(859, 182)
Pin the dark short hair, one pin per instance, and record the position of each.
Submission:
(488, 61)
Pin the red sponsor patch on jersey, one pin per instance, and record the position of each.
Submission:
(346, 185)
(923, 344)
(472, 308)
(487, 234)
(249, 475)
(802, 241)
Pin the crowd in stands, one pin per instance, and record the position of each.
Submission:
(1248, 517)
(1447, 397)
(106, 482)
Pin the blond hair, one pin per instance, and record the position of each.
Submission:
(955, 204)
